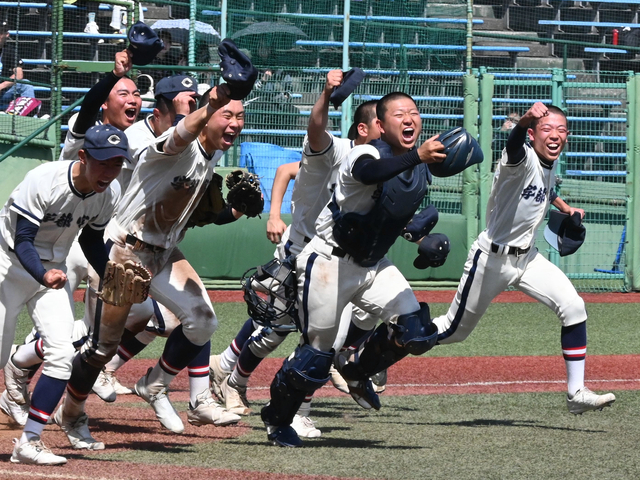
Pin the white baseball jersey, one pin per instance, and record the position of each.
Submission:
(315, 182)
(350, 195)
(140, 135)
(48, 198)
(73, 141)
(173, 185)
(511, 222)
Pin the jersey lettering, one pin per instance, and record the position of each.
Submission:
(529, 192)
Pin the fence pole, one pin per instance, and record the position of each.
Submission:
(345, 118)
(470, 176)
(224, 17)
(469, 62)
(57, 27)
(632, 276)
(486, 143)
(557, 99)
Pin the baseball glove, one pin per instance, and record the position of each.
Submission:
(125, 284)
(245, 194)
(210, 205)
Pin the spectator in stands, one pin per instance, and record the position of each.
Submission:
(511, 121)
(11, 68)
(168, 56)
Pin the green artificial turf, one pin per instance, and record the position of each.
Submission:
(506, 329)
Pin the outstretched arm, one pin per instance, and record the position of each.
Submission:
(316, 131)
(284, 174)
(190, 127)
(515, 143)
(99, 93)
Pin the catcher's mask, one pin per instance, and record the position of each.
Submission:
(270, 293)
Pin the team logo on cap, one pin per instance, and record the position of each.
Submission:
(187, 82)
(113, 139)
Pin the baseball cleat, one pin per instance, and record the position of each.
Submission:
(584, 400)
(34, 453)
(16, 381)
(17, 413)
(337, 380)
(235, 398)
(208, 412)
(103, 387)
(283, 436)
(118, 387)
(160, 403)
(77, 430)
(380, 381)
(305, 427)
(362, 391)
(216, 375)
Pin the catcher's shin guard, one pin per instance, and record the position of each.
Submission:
(413, 333)
(299, 376)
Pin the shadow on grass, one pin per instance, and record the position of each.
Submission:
(482, 422)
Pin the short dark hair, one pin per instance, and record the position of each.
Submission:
(365, 113)
(551, 109)
(164, 105)
(381, 107)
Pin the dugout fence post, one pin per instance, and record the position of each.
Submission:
(486, 143)
(631, 277)
(345, 108)
(57, 29)
(469, 205)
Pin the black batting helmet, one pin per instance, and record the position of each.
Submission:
(270, 294)
(462, 151)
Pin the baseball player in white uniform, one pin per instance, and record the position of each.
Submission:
(166, 185)
(119, 99)
(174, 95)
(38, 224)
(504, 254)
(315, 177)
(345, 263)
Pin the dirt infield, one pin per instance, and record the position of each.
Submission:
(123, 427)
(129, 424)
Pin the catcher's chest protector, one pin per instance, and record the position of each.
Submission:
(368, 237)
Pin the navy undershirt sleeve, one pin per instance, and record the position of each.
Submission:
(225, 216)
(26, 252)
(371, 171)
(92, 243)
(515, 145)
(93, 100)
(179, 117)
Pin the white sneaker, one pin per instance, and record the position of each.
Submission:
(337, 380)
(119, 388)
(77, 430)
(34, 453)
(92, 27)
(160, 403)
(18, 413)
(104, 387)
(207, 411)
(584, 400)
(305, 427)
(16, 381)
(216, 375)
(235, 398)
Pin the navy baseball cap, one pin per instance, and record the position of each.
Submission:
(144, 43)
(350, 81)
(169, 87)
(237, 70)
(432, 251)
(565, 232)
(104, 142)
